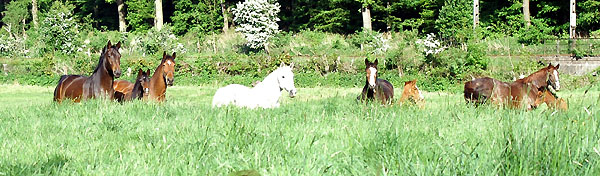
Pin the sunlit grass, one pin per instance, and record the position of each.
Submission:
(323, 131)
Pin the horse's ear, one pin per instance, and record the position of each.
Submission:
(108, 45)
(164, 54)
(367, 61)
(148, 72)
(282, 64)
(140, 72)
(119, 45)
(292, 65)
(173, 55)
(557, 65)
(376, 61)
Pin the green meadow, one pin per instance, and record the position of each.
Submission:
(323, 131)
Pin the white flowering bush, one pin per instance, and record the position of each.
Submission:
(257, 20)
(59, 30)
(430, 45)
(12, 46)
(155, 40)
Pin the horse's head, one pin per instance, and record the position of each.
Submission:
(285, 77)
(144, 79)
(112, 55)
(412, 91)
(371, 69)
(168, 68)
(552, 76)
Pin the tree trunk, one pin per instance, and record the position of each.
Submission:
(34, 14)
(121, 11)
(526, 13)
(366, 16)
(158, 19)
(475, 13)
(225, 20)
(572, 19)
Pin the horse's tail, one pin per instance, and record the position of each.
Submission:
(57, 90)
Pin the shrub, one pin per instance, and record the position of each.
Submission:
(257, 20)
(371, 41)
(60, 29)
(534, 34)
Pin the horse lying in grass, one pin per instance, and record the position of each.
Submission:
(522, 92)
(551, 100)
(411, 93)
(375, 88)
(125, 90)
(265, 94)
(99, 84)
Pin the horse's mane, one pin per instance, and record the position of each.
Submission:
(100, 61)
(102, 58)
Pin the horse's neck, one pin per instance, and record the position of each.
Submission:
(269, 85)
(537, 77)
(137, 89)
(101, 73)
(158, 81)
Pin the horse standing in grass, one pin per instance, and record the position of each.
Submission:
(125, 90)
(412, 93)
(376, 88)
(265, 94)
(163, 76)
(99, 84)
(522, 91)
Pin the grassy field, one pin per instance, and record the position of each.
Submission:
(323, 131)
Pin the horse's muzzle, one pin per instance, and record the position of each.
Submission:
(293, 93)
(117, 73)
(169, 82)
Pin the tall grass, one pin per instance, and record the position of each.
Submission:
(323, 131)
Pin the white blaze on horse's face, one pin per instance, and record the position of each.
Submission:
(420, 94)
(556, 83)
(286, 80)
(372, 73)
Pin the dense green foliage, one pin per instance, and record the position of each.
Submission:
(322, 131)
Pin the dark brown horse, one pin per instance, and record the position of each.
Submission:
(125, 90)
(376, 88)
(99, 84)
(522, 91)
(162, 77)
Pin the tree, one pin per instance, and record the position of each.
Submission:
(34, 13)
(158, 18)
(121, 12)
(366, 13)
(15, 16)
(199, 16)
(454, 20)
(140, 14)
(526, 13)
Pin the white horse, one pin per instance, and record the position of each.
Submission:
(265, 94)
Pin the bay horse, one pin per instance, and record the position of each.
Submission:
(521, 91)
(376, 88)
(412, 93)
(99, 84)
(552, 100)
(265, 94)
(125, 90)
(163, 76)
